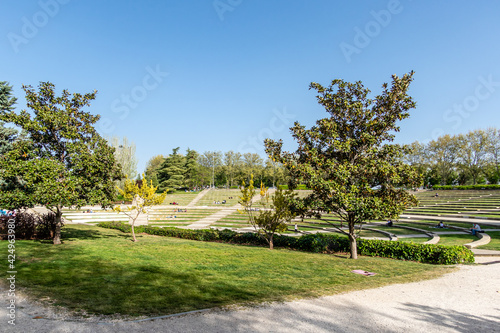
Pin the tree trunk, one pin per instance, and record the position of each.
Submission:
(353, 245)
(271, 245)
(133, 230)
(133, 233)
(57, 234)
(352, 241)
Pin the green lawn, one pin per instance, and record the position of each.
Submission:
(181, 197)
(414, 240)
(102, 271)
(396, 231)
(456, 239)
(494, 244)
(218, 195)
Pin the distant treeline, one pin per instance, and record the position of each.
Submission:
(212, 168)
(463, 159)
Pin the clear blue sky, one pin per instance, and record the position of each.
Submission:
(224, 74)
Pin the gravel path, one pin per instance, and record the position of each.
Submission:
(467, 300)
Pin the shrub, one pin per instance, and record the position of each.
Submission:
(427, 253)
(318, 243)
(31, 226)
(323, 243)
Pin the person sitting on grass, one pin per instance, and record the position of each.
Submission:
(389, 223)
(441, 224)
(475, 229)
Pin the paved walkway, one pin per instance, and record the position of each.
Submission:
(224, 211)
(198, 197)
(485, 253)
(209, 220)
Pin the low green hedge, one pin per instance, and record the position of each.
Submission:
(466, 187)
(318, 243)
(426, 253)
(299, 187)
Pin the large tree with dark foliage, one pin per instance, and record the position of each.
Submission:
(63, 161)
(348, 159)
(7, 101)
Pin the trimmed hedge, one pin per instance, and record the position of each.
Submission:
(466, 187)
(426, 253)
(318, 243)
(299, 187)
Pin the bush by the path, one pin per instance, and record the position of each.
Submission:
(319, 243)
(426, 253)
(299, 187)
(466, 187)
(30, 226)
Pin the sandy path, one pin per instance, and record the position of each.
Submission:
(467, 300)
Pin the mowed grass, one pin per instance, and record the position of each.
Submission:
(181, 197)
(494, 244)
(419, 240)
(101, 271)
(456, 239)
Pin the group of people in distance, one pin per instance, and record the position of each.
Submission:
(218, 202)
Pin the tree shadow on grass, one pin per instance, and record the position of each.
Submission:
(79, 282)
(69, 232)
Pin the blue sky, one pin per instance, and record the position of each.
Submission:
(225, 74)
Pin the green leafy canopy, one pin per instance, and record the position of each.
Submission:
(348, 159)
(63, 161)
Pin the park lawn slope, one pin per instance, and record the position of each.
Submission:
(101, 271)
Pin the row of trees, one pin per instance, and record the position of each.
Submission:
(212, 168)
(461, 159)
(347, 159)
